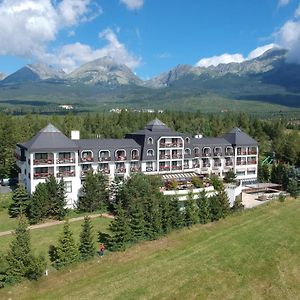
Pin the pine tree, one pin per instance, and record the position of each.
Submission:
(137, 222)
(292, 188)
(39, 204)
(66, 252)
(224, 202)
(20, 259)
(191, 214)
(87, 245)
(52, 189)
(61, 201)
(94, 193)
(215, 208)
(120, 229)
(20, 202)
(153, 224)
(204, 211)
(176, 213)
(238, 204)
(166, 215)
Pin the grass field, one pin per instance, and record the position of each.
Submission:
(250, 255)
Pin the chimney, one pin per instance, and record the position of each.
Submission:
(75, 135)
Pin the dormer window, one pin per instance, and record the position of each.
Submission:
(150, 141)
(150, 152)
(187, 151)
(187, 140)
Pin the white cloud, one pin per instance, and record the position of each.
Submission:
(227, 58)
(289, 38)
(28, 26)
(163, 55)
(133, 4)
(283, 2)
(297, 13)
(72, 55)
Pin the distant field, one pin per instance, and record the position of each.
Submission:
(251, 255)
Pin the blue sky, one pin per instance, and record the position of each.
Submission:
(149, 36)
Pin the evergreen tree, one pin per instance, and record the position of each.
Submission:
(191, 214)
(87, 245)
(224, 202)
(153, 224)
(120, 230)
(176, 213)
(60, 210)
(38, 208)
(293, 188)
(4, 279)
(204, 211)
(215, 208)
(20, 202)
(20, 260)
(94, 192)
(66, 251)
(229, 177)
(137, 222)
(52, 189)
(166, 215)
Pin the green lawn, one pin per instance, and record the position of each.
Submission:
(251, 255)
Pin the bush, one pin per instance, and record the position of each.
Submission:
(197, 182)
(281, 197)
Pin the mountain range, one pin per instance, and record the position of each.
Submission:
(268, 78)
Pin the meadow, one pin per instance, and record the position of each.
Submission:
(254, 254)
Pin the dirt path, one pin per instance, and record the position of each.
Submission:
(53, 223)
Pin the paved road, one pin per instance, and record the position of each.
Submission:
(53, 223)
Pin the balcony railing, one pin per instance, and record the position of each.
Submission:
(135, 157)
(120, 158)
(252, 152)
(66, 174)
(197, 154)
(241, 163)
(206, 165)
(42, 175)
(251, 162)
(229, 153)
(165, 156)
(105, 171)
(170, 145)
(229, 163)
(104, 158)
(135, 169)
(217, 165)
(241, 152)
(44, 161)
(177, 168)
(65, 160)
(86, 159)
(121, 170)
(164, 168)
(217, 153)
(206, 154)
(174, 156)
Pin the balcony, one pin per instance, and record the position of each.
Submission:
(120, 158)
(229, 153)
(175, 156)
(164, 156)
(121, 170)
(217, 153)
(164, 168)
(42, 175)
(105, 171)
(252, 152)
(170, 145)
(135, 169)
(228, 163)
(206, 165)
(197, 154)
(251, 161)
(65, 160)
(43, 161)
(217, 165)
(241, 163)
(206, 154)
(66, 174)
(104, 158)
(86, 159)
(176, 168)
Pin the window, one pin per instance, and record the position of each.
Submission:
(41, 155)
(150, 141)
(187, 151)
(150, 152)
(68, 186)
(187, 140)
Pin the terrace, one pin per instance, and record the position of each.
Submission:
(120, 155)
(66, 171)
(43, 159)
(86, 156)
(65, 158)
(43, 172)
(104, 155)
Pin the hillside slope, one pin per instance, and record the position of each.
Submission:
(252, 255)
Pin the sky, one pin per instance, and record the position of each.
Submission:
(149, 36)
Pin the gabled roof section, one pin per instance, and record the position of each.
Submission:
(157, 125)
(49, 139)
(237, 137)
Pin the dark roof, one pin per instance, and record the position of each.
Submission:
(237, 137)
(49, 138)
(210, 141)
(106, 144)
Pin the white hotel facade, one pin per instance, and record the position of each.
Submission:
(156, 149)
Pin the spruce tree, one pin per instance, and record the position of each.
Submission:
(120, 230)
(66, 251)
(238, 204)
(224, 202)
(52, 189)
(166, 215)
(137, 222)
(20, 202)
(87, 245)
(176, 213)
(204, 211)
(153, 224)
(191, 214)
(20, 260)
(39, 204)
(215, 208)
(292, 188)
(60, 210)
